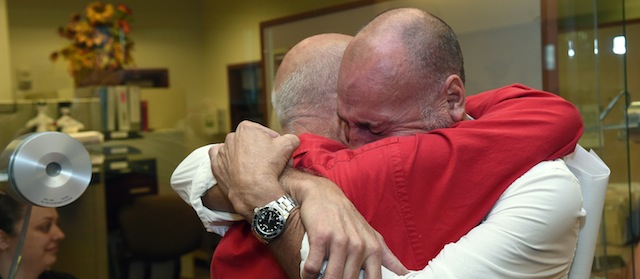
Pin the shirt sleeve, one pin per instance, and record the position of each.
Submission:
(532, 229)
(191, 180)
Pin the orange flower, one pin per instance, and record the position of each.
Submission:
(124, 26)
(124, 9)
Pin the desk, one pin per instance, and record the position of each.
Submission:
(616, 212)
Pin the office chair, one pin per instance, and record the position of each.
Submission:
(157, 229)
(593, 175)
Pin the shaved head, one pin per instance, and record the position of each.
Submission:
(304, 92)
(406, 66)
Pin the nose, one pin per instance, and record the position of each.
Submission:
(58, 234)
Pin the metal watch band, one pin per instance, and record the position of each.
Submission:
(286, 203)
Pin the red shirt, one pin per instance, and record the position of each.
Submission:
(424, 191)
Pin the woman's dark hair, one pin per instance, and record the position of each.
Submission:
(11, 212)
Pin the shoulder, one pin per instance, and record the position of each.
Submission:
(548, 191)
(550, 169)
(549, 178)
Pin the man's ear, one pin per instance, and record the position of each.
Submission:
(455, 97)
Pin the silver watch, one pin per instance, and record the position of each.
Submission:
(269, 220)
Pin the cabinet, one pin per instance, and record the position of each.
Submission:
(83, 253)
(247, 100)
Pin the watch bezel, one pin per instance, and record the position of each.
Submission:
(271, 230)
(270, 220)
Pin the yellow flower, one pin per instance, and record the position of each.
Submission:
(98, 12)
(81, 27)
(87, 61)
(96, 40)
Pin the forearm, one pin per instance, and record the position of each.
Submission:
(540, 121)
(286, 248)
(297, 184)
(214, 199)
(337, 231)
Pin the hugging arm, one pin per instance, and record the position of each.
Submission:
(265, 154)
(341, 232)
(532, 230)
(195, 183)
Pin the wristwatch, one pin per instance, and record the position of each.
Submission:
(269, 220)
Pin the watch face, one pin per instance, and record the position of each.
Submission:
(268, 222)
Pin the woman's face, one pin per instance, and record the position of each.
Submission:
(41, 243)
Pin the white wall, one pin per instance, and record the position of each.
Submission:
(167, 34)
(6, 86)
(499, 48)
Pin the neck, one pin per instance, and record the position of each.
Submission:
(22, 273)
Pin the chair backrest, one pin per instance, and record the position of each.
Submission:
(593, 175)
(158, 228)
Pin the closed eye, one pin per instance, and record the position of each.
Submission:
(368, 127)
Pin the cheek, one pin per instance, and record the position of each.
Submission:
(35, 243)
(34, 252)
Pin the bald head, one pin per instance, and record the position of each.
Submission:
(429, 45)
(304, 92)
(397, 77)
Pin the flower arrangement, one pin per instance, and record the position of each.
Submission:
(100, 44)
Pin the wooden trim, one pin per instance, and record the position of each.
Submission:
(318, 12)
(600, 25)
(156, 78)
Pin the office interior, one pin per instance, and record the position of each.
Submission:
(203, 66)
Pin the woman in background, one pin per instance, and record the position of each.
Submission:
(40, 248)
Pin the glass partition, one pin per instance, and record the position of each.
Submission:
(597, 52)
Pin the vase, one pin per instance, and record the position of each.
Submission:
(86, 77)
